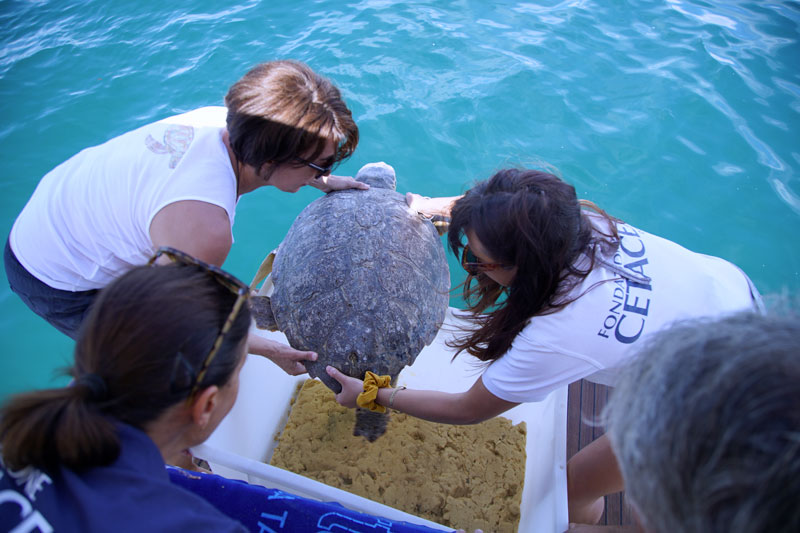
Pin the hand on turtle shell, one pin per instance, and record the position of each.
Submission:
(337, 183)
(430, 207)
(283, 355)
(351, 387)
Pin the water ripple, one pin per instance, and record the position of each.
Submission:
(666, 112)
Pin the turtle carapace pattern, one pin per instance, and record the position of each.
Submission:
(362, 280)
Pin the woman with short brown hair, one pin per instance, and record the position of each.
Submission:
(177, 182)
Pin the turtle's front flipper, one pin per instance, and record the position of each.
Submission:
(316, 369)
(261, 308)
(441, 223)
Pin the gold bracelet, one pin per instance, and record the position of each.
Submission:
(391, 396)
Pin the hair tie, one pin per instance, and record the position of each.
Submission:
(96, 385)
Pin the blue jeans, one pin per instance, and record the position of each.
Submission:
(65, 310)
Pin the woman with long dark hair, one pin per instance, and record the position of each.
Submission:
(156, 370)
(558, 290)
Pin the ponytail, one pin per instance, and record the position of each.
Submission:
(57, 427)
(139, 353)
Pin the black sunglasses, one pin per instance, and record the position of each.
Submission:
(475, 266)
(235, 285)
(321, 171)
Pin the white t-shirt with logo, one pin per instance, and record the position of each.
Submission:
(596, 334)
(88, 221)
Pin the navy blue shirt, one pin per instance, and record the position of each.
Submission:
(132, 494)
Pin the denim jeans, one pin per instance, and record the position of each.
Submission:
(65, 310)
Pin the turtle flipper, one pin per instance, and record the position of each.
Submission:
(261, 308)
(370, 424)
(316, 369)
(441, 223)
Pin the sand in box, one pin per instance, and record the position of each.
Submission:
(459, 476)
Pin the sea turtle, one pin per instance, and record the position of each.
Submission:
(361, 280)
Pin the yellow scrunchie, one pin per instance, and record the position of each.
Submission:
(373, 382)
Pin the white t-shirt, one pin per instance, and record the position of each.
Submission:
(88, 221)
(596, 334)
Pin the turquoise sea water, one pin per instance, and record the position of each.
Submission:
(679, 116)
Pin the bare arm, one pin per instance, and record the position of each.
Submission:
(200, 229)
(424, 205)
(283, 355)
(470, 407)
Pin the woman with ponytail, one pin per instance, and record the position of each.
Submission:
(156, 370)
(558, 290)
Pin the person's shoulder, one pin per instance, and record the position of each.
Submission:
(134, 501)
(193, 513)
(209, 116)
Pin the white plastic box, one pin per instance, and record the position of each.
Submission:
(244, 442)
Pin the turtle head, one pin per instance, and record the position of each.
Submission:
(378, 175)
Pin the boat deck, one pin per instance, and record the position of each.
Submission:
(585, 403)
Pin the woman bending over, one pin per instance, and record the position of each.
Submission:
(558, 291)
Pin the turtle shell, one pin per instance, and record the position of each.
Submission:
(361, 280)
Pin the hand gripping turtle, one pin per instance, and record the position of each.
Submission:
(362, 281)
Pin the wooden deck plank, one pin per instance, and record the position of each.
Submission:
(585, 403)
(573, 419)
(586, 410)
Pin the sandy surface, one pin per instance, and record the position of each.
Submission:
(460, 476)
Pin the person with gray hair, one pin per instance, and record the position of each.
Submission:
(705, 425)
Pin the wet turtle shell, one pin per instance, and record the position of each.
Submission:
(361, 280)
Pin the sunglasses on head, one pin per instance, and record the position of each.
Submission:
(230, 282)
(475, 266)
(321, 171)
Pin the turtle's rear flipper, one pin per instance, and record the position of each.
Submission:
(370, 424)
(261, 308)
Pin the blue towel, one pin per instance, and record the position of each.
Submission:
(264, 510)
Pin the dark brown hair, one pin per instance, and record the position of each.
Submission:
(282, 110)
(138, 353)
(534, 221)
